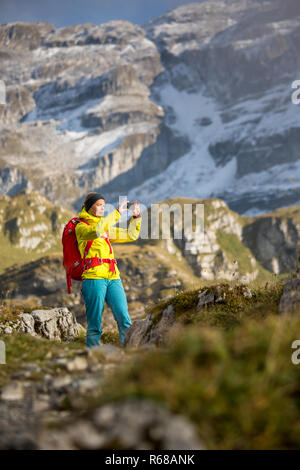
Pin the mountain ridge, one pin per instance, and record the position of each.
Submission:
(196, 102)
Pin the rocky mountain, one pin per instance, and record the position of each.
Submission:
(195, 103)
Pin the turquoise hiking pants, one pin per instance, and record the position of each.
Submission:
(95, 292)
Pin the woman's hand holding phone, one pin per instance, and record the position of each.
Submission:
(125, 205)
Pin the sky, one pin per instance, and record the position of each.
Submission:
(69, 12)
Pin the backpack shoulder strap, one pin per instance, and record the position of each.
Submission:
(81, 220)
(89, 243)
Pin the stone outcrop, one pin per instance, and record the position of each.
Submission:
(150, 331)
(274, 241)
(229, 246)
(153, 330)
(54, 324)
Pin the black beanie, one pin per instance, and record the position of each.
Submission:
(91, 200)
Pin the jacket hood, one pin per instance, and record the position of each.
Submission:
(83, 214)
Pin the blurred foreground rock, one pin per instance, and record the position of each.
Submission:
(129, 424)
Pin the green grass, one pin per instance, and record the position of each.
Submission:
(111, 337)
(26, 207)
(229, 312)
(17, 257)
(238, 386)
(235, 251)
(22, 349)
(10, 309)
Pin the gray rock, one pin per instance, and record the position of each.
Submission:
(87, 384)
(60, 383)
(77, 363)
(129, 424)
(205, 298)
(8, 330)
(159, 332)
(147, 331)
(54, 324)
(60, 361)
(132, 423)
(12, 391)
(27, 324)
(111, 353)
(138, 332)
(290, 299)
(19, 426)
(86, 436)
(42, 403)
(273, 241)
(32, 367)
(247, 292)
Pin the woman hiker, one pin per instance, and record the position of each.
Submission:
(102, 282)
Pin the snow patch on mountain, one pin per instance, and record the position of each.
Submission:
(269, 113)
(88, 146)
(195, 174)
(67, 119)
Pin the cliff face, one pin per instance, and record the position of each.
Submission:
(274, 241)
(197, 102)
(236, 247)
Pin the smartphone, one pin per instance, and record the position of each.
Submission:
(134, 202)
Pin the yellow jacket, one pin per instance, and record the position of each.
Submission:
(98, 230)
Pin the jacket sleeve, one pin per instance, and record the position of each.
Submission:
(90, 232)
(122, 235)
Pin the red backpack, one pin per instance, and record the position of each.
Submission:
(72, 261)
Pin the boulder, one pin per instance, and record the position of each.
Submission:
(138, 332)
(55, 324)
(27, 324)
(149, 331)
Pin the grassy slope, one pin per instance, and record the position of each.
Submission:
(26, 206)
